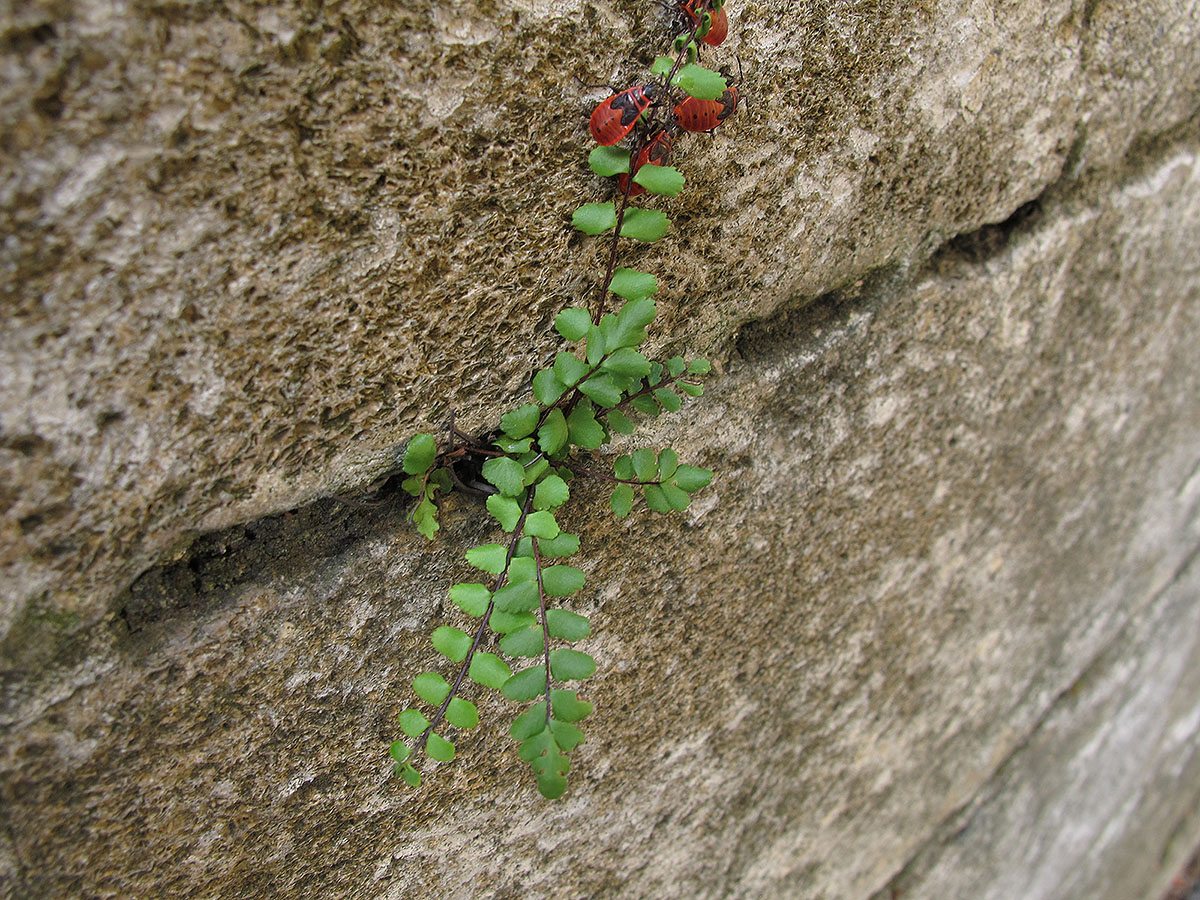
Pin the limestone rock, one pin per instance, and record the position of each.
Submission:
(933, 628)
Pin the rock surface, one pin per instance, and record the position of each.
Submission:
(933, 630)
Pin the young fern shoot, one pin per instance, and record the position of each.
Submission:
(579, 403)
(529, 465)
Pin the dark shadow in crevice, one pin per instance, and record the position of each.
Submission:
(276, 548)
(206, 575)
(802, 318)
(1149, 150)
(991, 240)
(808, 318)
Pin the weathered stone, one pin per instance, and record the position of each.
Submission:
(1091, 800)
(938, 602)
(248, 249)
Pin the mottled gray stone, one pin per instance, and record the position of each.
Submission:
(933, 628)
(1104, 784)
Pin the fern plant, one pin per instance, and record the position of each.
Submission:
(520, 641)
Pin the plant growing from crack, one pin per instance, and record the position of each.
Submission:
(529, 464)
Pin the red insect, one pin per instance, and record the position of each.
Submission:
(705, 115)
(615, 117)
(720, 22)
(657, 152)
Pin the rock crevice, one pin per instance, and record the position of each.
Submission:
(916, 635)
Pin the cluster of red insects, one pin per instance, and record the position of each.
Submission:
(615, 117)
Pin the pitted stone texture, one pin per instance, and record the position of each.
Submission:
(946, 500)
(1088, 804)
(250, 249)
